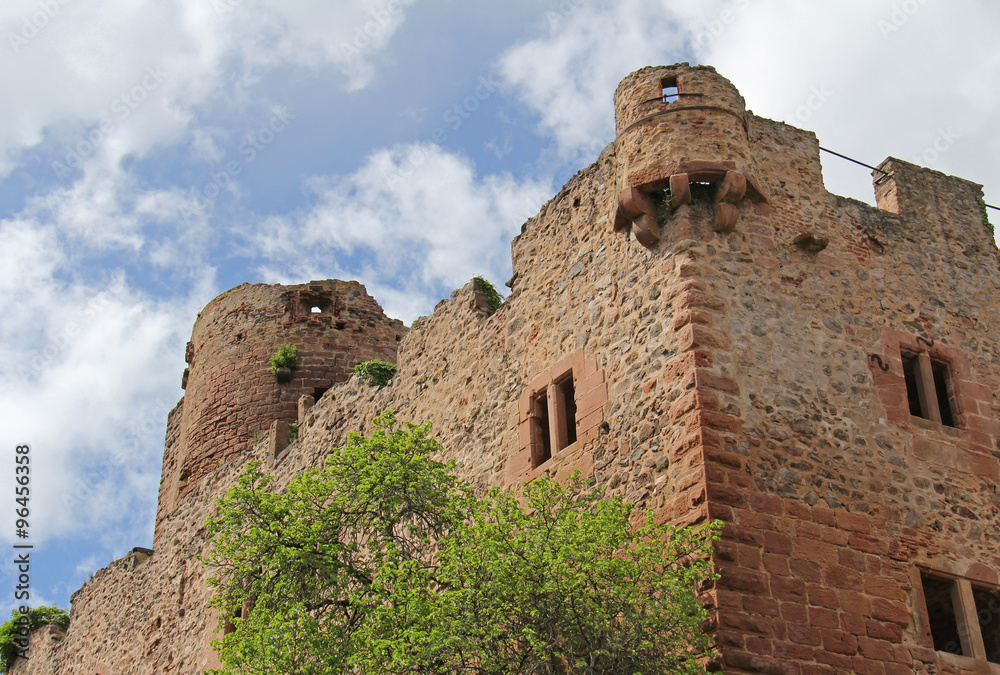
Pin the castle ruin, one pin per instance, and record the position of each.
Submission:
(697, 325)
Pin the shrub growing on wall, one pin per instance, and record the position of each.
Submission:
(375, 373)
(287, 357)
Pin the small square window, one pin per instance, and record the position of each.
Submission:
(669, 90)
(928, 388)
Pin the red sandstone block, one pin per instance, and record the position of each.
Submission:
(883, 587)
(807, 530)
(695, 300)
(898, 669)
(807, 570)
(842, 577)
(788, 589)
(986, 466)
(587, 384)
(822, 596)
(856, 603)
(738, 579)
(683, 287)
(758, 645)
(694, 336)
(688, 316)
(842, 662)
(853, 623)
(760, 605)
(855, 522)
(799, 510)
(816, 669)
(742, 534)
(832, 535)
(854, 560)
(881, 630)
(758, 521)
(868, 544)
(753, 663)
(727, 459)
(775, 542)
(839, 642)
(824, 516)
(593, 400)
(823, 618)
(891, 611)
(725, 638)
(794, 612)
(789, 651)
(877, 650)
(801, 634)
(745, 623)
(718, 421)
(764, 503)
(776, 564)
(693, 400)
(816, 550)
(863, 666)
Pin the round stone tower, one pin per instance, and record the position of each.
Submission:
(680, 128)
(231, 395)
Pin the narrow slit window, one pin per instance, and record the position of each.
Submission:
(316, 310)
(569, 411)
(318, 392)
(670, 92)
(939, 596)
(541, 433)
(911, 371)
(942, 377)
(988, 612)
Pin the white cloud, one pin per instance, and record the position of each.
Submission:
(90, 369)
(872, 79)
(568, 77)
(418, 218)
(81, 71)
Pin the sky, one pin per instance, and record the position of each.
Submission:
(155, 153)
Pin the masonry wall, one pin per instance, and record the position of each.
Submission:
(721, 368)
(230, 393)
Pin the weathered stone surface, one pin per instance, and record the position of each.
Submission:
(719, 374)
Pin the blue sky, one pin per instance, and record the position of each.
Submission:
(154, 154)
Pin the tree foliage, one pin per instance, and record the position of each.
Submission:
(381, 561)
(18, 626)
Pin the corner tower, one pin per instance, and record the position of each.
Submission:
(682, 135)
(231, 394)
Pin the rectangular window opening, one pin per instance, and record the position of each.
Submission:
(542, 433)
(318, 392)
(569, 399)
(669, 89)
(942, 377)
(941, 614)
(911, 372)
(988, 612)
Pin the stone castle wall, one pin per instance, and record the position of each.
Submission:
(722, 368)
(230, 393)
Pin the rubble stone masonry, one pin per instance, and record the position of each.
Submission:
(695, 324)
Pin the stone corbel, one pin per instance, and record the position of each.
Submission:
(636, 208)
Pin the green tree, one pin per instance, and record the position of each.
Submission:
(381, 561)
(16, 629)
